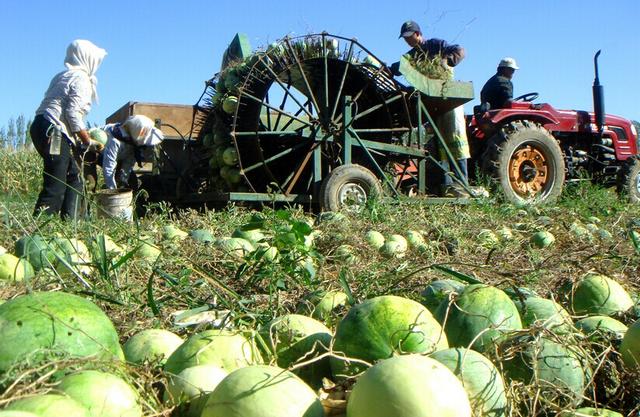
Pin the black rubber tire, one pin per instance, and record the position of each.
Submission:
(348, 181)
(628, 181)
(512, 138)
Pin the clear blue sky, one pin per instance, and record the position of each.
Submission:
(164, 50)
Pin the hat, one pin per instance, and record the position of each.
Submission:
(142, 130)
(508, 63)
(409, 28)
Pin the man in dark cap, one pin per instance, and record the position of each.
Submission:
(498, 90)
(410, 31)
(451, 124)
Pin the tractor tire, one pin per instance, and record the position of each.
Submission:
(348, 187)
(628, 181)
(526, 162)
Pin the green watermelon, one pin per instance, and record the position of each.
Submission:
(151, 345)
(480, 378)
(50, 405)
(408, 386)
(262, 391)
(235, 246)
(438, 291)
(597, 327)
(560, 372)
(321, 304)
(374, 239)
(103, 394)
(294, 337)
(14, 269)
(542, 239)
(480, 316)
(630, 347)
(537, 311)
(15, 413)
(597, 294)
(229, 104)
(252, 235)
(201, 236)
(345, 254)
(589, 412)
(230, 156)
(34, 324)
(227, 349)
(36, 250)
(171, 232)
(382, 327)
(190, 389)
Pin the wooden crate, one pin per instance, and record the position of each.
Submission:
(178, 115)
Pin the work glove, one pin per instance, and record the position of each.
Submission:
(395, 68)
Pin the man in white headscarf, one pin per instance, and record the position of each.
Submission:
(125, 146)
(59, 127)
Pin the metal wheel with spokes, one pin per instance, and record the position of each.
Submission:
(289, 124)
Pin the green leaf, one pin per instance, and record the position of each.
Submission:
(457, 275)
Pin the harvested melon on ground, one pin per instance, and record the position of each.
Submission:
(14, 269)
(228, 349)
(73, 256)
(292, 338)
(151, 345)
(190, 389)
(37, 250)
(374, 239)
(601, 327)
(537, 311)
(480, 378)
(201, 236)
(630, 347)
(254, 236)
(50, 405)
(380, 328)
(262, 391)
(172, 232)
(560, 372)
(40, 324)
(438, 291)
(15, 413)
(322, 304)
(103, 394)
(408, 386)
(235, 246)
(480, 317)
(597, 294)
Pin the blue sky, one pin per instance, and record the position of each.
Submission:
(164, 50)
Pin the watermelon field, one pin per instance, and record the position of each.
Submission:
(404, 309)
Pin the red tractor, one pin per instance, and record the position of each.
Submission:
(532, 149)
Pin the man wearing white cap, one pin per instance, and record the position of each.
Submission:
(125, 145)
(498, 90)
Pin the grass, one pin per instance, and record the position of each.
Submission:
(140, 293)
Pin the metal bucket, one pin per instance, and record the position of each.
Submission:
(115, 203)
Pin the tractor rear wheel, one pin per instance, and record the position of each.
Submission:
(348, 187)
(628, 181)
(527, 163)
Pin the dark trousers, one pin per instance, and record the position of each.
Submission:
(61, 184)
(448, 180)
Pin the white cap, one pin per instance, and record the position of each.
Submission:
(509, 63)
(142, 130)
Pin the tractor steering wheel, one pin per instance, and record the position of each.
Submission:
(529, 97)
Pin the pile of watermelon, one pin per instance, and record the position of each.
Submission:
(459, 347)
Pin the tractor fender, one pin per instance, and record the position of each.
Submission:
(542, 117)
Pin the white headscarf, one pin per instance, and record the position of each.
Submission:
(142, 130)
(84, 56)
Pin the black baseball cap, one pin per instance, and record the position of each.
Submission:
(409, 28)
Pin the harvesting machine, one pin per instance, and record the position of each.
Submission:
(318, 120)
(314, 120)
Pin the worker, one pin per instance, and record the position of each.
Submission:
(498, 90)
(452, 124)
(126, 144)
(59, 129)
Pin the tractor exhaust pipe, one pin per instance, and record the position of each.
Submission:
(598, 97)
